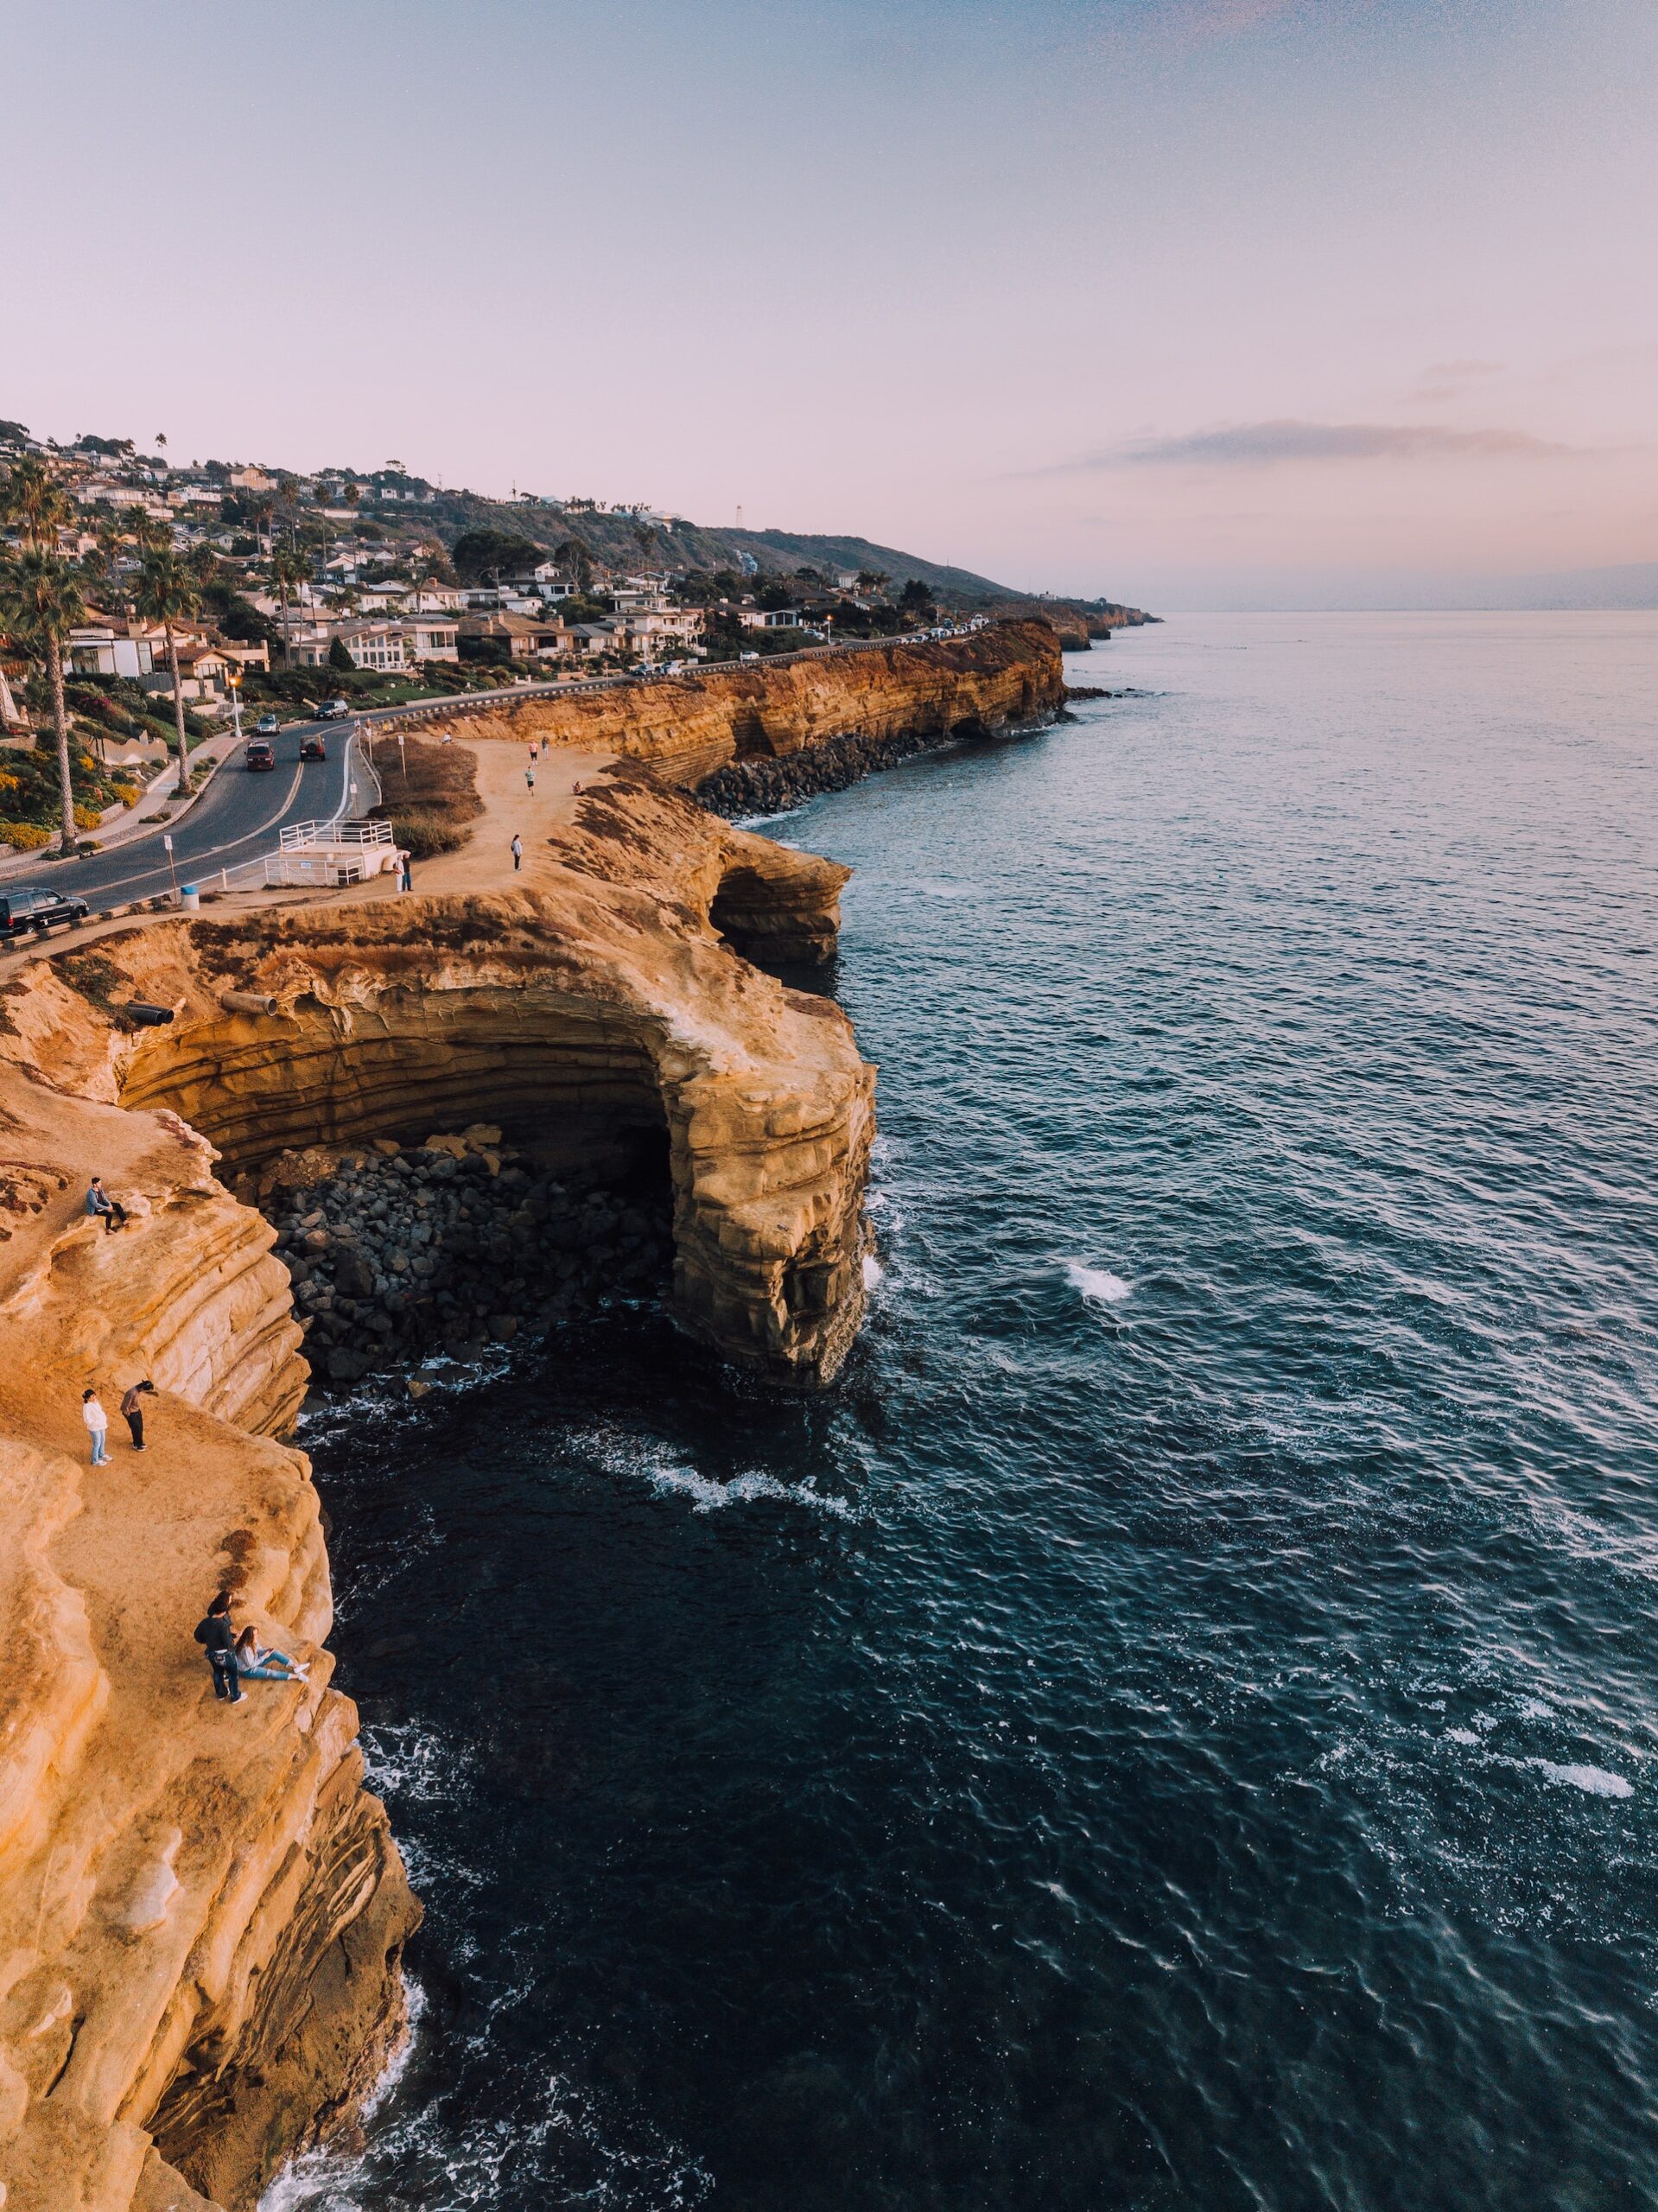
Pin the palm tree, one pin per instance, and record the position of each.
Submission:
(40, 603)
(166, 593)
(289, 569)
(31, 497)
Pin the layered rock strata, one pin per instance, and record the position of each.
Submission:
(1009, 672)
(201, 1910)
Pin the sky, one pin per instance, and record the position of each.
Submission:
(1195, 303)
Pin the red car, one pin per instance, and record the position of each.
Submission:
(259, 754)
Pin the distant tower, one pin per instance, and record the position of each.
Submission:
(739, 517)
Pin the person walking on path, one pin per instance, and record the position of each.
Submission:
(98, 1425)
(100, 1204)
(408, 871)
(517, 852)
(216, 1633)
(529, 777)
(132, 1410)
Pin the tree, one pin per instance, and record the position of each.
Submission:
(32, 498)
(166, 593)
(40, 603)
(339, 656)
(289, 569)
(479, 553)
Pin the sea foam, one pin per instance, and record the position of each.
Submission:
(1594, 1779)
(1098, 1284)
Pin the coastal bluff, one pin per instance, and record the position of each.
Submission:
(202, 1908)
(686, 729)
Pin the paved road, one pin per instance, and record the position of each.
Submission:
(236, 820)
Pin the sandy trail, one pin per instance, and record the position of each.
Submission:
(485, 862)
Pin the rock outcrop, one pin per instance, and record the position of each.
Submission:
(201, 1909)
(688, 729)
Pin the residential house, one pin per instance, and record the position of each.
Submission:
(378, 645)
(428, 638)
(770, 618)
(102, 649)
(524, 639)
(203, 667)
(252, 479)
(664, 632)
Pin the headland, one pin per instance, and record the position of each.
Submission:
(202, 1909)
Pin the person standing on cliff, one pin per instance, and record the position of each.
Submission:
(216, 1633)
(132, 1410)
(406, 880)
(517, 852)
(529, 777)
(97, 1426)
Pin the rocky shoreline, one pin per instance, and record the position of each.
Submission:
(397, 1254)
(833, 764)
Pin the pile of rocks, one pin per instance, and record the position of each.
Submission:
(450, 1246)
(836, 764)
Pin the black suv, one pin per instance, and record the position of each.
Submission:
(29, 907)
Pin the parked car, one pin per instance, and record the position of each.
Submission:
(267, 726)
(29, 907)
(314, 746)
(334, 710)
(259, 754)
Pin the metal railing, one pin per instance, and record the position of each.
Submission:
(298, 834)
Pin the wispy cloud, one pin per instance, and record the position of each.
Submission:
(1264, 445)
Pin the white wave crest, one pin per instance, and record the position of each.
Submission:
(1594, 1779)
(873, 1273)
(1098, 1284)
(670, 1478)
(402, 1760)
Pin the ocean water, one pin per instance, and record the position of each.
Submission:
(1179, 1727)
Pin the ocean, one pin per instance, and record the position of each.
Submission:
(1177, 1728)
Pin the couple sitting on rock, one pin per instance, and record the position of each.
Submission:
(235, 1659)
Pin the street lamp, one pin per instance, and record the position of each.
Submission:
(236, 702)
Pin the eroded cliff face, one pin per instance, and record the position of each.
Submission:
(687, 730)
(201, 1909)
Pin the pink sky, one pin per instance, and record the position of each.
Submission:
(1209, 302)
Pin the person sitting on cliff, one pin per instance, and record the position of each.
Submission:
(99, 1203)
(259, 1663)
(219, 1638)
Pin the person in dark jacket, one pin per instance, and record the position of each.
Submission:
(102, 1207)
(216, 1633)
(132, 1410)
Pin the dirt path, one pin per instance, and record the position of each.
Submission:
(485, 862)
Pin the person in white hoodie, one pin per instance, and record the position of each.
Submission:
(98, 1423)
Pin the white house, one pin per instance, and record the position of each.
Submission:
(101, 650)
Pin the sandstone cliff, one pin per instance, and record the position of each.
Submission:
(199, 1930)
(202, 1911)
(688, 729)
